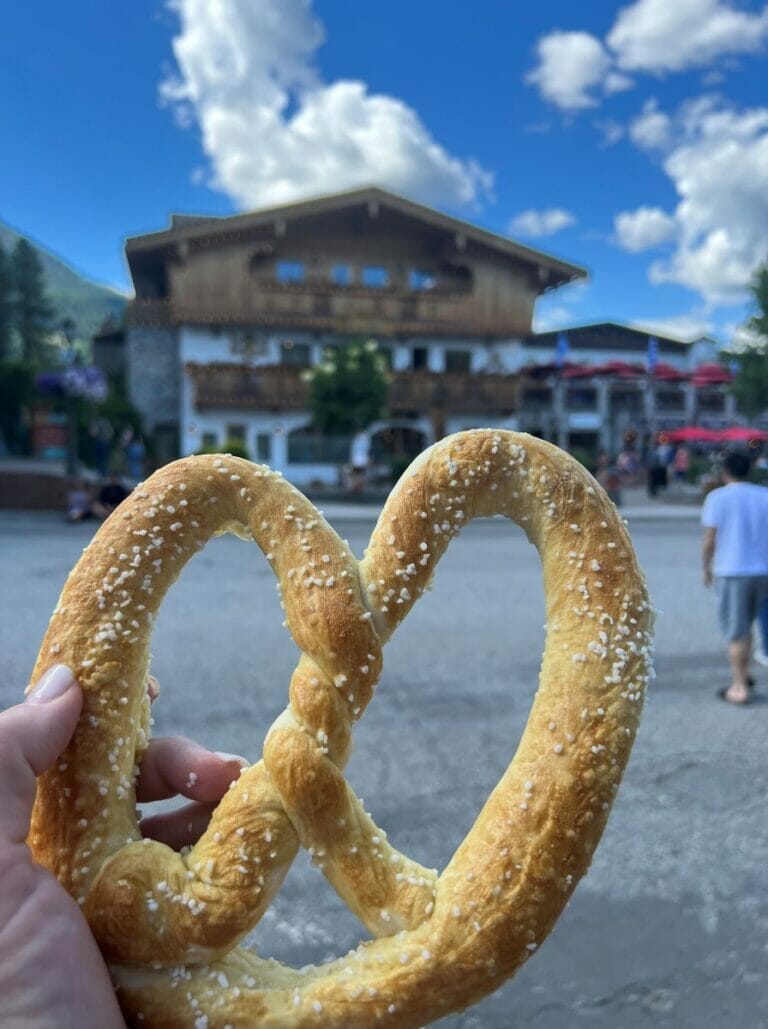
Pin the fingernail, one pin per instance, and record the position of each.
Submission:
(53, 684)
(242, 761)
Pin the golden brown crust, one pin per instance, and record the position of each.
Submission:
(169, 923)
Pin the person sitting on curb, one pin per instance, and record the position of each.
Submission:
(735, 557)
(111, 494)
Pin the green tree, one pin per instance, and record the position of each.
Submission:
(348, 390)
(758, 323)
(32, 310)
(17, 394)
(750, 386)
(6, 304)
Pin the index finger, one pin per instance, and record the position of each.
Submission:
(174, 764)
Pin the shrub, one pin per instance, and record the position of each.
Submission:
(235, 447)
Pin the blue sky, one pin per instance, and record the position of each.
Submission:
(630, 137)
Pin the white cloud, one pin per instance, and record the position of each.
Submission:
(643, 229)
(718, 164)
(651, 129)
(689, 326)
(611, 131)
(670, 35)
(570, 65)
(649, 36)
(274, 132)
(615, 82)
(541, 223)
(554, 318)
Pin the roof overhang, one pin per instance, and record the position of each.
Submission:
(550, 271)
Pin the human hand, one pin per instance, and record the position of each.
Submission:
(707, 577)
(51, 971)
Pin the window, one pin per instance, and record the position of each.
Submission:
(296, 354)
(713, 403)
(210, 441)
(264, 447)
(419, 358)
(236, 433)
(341, 275)
(670, 400)
(290, 271)
(537, 396)
(581, 398)
(305, 446)
(418, 279)
(374, 277)
(248, 347)
(458, 360)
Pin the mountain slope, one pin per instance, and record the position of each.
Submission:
(71, 295)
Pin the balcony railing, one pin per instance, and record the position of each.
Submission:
(325, 307)
(457, 392)
(281, 388)
(270, 388)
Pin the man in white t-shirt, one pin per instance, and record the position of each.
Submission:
(735, 555)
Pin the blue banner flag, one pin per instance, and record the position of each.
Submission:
(652, 356)
(561, 350)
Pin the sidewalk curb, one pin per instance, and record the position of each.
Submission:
(335, 512)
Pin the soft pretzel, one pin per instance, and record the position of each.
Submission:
(168, 923)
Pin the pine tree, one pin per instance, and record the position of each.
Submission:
(33, 312)
(6, 304)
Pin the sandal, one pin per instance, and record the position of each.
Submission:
(723, 695)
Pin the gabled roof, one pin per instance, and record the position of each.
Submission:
(192, 227)
(608, 336)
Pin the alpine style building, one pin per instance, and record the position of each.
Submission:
(228, 313)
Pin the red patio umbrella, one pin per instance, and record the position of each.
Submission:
(739, 433)
(668, 373)
(579, 371)
(711, 375)
(692, 434)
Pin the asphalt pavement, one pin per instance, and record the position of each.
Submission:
(670, 927)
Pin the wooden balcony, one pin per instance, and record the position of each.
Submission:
(452, 392)
(282, 388)
(324, 307)
(248, 387)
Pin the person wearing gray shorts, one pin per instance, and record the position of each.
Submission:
(735, 557)
(739, 598)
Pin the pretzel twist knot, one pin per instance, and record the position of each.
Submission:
(169, 923)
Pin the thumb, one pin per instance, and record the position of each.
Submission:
(32, 736)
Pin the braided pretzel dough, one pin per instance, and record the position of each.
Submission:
(168, 923)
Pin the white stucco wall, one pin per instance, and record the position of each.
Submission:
(460, 422)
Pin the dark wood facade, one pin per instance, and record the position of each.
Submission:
(280, 388)
(366, 261)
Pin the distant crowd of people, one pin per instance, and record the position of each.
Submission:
(663, 465)
(123, 453)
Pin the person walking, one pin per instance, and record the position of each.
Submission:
(735, 557)
(681, 463)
